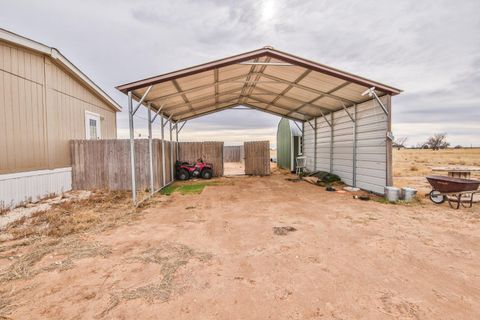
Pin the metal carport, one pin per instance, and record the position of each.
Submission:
(314, 95)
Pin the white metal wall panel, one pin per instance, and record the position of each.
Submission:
(343, 129)
(323, 145)
(371, 147)
(17, 188)
(308, 146)
(371, 152)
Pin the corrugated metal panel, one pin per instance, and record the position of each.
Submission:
(284, 144)
(370, 150)
(296, 132)
(372, 124)
(323, 145)
(297, 80)
(308, 148)
(22, 187)
(343, 129)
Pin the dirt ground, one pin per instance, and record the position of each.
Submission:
(247, 248)
(233, 168)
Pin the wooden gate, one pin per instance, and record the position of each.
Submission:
(210, 151)
(257, 158)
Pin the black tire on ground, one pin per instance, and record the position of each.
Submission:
(436, 197)
(182, 174)
(207, 174)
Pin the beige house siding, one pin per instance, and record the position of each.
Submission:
(42, 107)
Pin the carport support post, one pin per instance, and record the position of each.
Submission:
(389, 143)
(150, 146)
(354, 164)
(331, 142)
(176, 138)
(171, 153)
(164, 180)
(303, 138)
(132, 146)
(315, 145)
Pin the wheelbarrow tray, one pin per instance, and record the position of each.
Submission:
(445, 184)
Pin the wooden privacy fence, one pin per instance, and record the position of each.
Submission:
(232, 154)
(257, 158)
(209, 151)
(105, 164)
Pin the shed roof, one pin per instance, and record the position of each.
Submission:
(296, 132)
(55, 54)
(265, 79)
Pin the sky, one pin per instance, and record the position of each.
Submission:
(430, 49)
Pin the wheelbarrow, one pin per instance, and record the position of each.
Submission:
(454, 190)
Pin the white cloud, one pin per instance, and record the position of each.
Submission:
(428, 48)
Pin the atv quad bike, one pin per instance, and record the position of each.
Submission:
(186, 170)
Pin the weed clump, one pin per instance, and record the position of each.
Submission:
(99, 211)
(282, 231)
(27, 265)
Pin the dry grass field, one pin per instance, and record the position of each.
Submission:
(411, 166)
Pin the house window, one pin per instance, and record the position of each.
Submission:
(93, 129)
(92, 126)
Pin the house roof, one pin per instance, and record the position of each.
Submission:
(265, 79)
(57, 56)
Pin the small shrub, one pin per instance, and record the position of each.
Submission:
(3, 209)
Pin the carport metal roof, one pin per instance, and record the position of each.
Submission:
(265, 79)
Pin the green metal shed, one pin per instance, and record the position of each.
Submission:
(289, 142)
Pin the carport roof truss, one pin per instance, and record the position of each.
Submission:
(265, 79)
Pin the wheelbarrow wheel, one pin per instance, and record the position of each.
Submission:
(437, 197)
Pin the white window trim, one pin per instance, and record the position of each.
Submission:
(92, 115)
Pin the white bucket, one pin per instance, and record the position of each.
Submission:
(392, 194)
(408, 194)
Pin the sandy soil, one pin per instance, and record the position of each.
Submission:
(221, 255)
(233, 168)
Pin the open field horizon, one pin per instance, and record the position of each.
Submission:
(411, 166)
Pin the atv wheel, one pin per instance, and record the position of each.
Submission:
(183, 174)
(207, 174)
